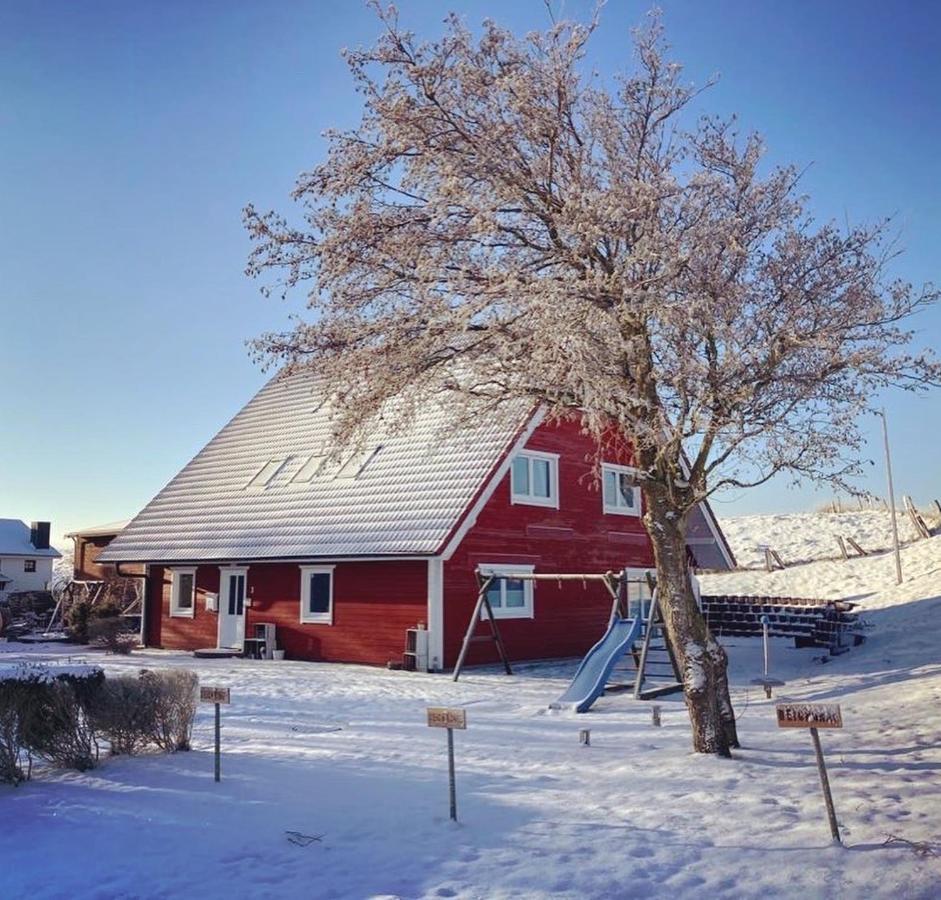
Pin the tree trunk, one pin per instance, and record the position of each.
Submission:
(702, 661)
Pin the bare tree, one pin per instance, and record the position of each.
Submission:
(503, 227)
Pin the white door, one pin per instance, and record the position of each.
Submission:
(232, 607)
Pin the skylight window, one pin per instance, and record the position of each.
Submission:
(357, 463)
(310, 468)
(266, 473)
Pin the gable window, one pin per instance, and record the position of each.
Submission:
(29, 565)
(317, 594)
(182, 592)
(534, 479)
(621, 493)
(510, 598)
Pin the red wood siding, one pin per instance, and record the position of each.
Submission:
(577, 537)
(373, 605)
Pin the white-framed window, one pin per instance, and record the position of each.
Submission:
(183, 592)
(29, 565)
(510, 598)
(534, 478)
(317, 594)
(621, 495)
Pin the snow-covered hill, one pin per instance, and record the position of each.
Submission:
(806, 536)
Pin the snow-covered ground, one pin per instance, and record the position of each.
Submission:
(343, 752)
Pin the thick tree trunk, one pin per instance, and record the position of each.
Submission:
(702, 660)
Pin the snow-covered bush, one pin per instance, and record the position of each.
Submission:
(124, 712)
(43, 713)
(175, 710)
(14, 696)
(55, 724)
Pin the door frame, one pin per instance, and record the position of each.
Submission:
(223, 612)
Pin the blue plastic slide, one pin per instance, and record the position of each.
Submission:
(594, 670)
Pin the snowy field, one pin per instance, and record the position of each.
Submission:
(343, 753)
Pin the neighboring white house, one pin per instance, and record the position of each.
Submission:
(26, 557)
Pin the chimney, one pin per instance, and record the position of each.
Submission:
(39, 535)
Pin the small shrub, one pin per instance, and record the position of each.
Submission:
(175, 692)
(55, 724)
(124, 713)
(14, 697)
(111, 634)
(77, 619)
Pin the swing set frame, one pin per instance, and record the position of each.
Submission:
(616, 585)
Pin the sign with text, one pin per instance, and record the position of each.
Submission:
(214, 694)
(809, 715)
(445, 717)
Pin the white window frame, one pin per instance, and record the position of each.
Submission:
(634, 512)
(26, 566)
(307, 617)
(552, 500)
(176, 610)
(528, 609)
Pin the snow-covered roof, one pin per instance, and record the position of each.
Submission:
(98, 530)
(250, 494)
(15, 541)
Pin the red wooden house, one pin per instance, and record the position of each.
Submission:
(344, 556)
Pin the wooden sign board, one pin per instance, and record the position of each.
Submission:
(445, 717)
(214, 694)
(809, 715)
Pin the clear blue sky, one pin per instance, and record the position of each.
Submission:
(132, 134)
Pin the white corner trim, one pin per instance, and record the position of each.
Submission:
(470, 520)
(435, 614)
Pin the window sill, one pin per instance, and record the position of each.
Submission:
(317, 620)
(615, 511)
(518, 500)
(182, 613)
(501, 613)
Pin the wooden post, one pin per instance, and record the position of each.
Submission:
(825, 787)
(218, 743)
(443, 717)
(452, 789)
(814, 716)
(216, 696)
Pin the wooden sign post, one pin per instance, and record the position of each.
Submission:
(216, 696)
(815, 716)
(444, 717)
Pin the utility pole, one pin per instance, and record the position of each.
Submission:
(888, 471)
